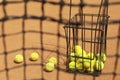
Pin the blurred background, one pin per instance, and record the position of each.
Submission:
(37, 25)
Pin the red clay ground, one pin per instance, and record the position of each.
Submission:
(50, 41)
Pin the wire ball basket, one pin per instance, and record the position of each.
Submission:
(86, 42)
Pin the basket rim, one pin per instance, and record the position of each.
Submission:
(90, 14)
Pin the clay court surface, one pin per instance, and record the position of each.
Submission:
(48, 38)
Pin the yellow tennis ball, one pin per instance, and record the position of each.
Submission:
(76, 47)
(53, 60)
(80, 60)
(85, 56)
(86, 64)
(18, 58)
(72, 56)
(73, 66)
(90, 55)
(34, 56)
(101, 56)
(90, 70)
(93, 62)
(80, 53)
(79, 67)
(49, 66)
(89, 63)
(99, 65)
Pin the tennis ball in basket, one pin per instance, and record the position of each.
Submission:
(86, 64)
(80, 52)
(73, 66)
(18, 58)
(79, 67)
(77, 49)
(99, 65)
(101, 56)
(53, 60)
(90, 70)
(49, 66)
(80, 60)
(83, 59)
(89, 63)
(72, 56)
(90, 55)
(34, 56)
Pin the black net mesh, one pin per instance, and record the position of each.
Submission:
(23, 38)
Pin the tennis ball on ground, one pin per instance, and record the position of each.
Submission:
(99, 65)
(53, 60)
(18, 58)
(49, 66)
(101, 56)
(34, 56)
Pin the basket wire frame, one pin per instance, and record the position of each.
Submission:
(83, 24)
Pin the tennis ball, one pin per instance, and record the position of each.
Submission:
(86, 64)
(49, 66)
(89, 63)
(90, 55)
(80, 67)
(101, 56)
(34, 56)
(18, 58)
(80, 60)
(90, 70)
(99, 65)
(81, 53)
(93, 62)
(53, 60)
(84, 58)
(76, 47)
(72, 56)
(73, 66)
